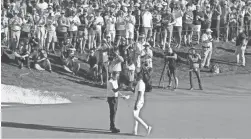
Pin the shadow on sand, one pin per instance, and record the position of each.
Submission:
(60, 128)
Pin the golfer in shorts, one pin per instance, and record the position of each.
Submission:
(139, 103)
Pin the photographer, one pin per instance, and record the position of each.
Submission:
(170, 59)
(147, 66)
(194, 60)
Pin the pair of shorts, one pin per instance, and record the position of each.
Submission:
(83, 34)
(121, 33)
(51, 36)
(62, 36)
(101, 67)
(196, 28)
(129, 34)
(157, 29)
(130, 74)
(73, 35)
(187, 28)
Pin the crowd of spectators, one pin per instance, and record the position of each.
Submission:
(119, 31)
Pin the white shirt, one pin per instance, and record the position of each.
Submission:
(120, 23)
(206, 37)
(42, 6)
(99, 19)
(178, 21)
(131, 67)
(130, 22)
(148, 59)
(140, 87)
(74, 21)
(116, 65)
(50, 24)
(112, 84)
(147, 19)
(138, 53)
(110, 23)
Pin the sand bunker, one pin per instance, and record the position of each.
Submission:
(14, 94)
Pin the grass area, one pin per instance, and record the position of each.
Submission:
(223, 55)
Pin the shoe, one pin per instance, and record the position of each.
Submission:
(149, 130)
(21, 66)
(114, 130)
(206, 67)
(50, 70)
(134, 133)
(201, 88)
(191, 88)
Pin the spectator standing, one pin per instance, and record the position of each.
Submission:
(40, 21)
(15, 24)
(83, 30)
(178, 25)
(73, 29)
(51, 36)
(120, 26)
(216, 8)
(198, 18)
(232, 24)
(188, 25)
(26, 29)
(129, 28)
(110, 21)
(225, 20)
(63, 25)
(4, 24)
(208, 18)
(138, 52)
(168, 21)
(207, 47)
(138, 23)
(241, 45)
(147, 23)
(157, 25)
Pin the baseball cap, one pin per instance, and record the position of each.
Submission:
(209, 30)
(146, 44)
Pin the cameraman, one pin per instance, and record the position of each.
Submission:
(147, 66)
(170, 59)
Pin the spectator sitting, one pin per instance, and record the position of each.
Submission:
(41, 61)
(22, 55)
(69, 60)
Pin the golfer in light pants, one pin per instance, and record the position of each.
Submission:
(139, 95)
(207, 48)
(241, 45)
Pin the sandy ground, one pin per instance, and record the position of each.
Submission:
(222, 110)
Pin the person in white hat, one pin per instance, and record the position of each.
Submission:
(51, 36)
(138, 52)
(207, 47)
(241, 45)
(15, 30)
